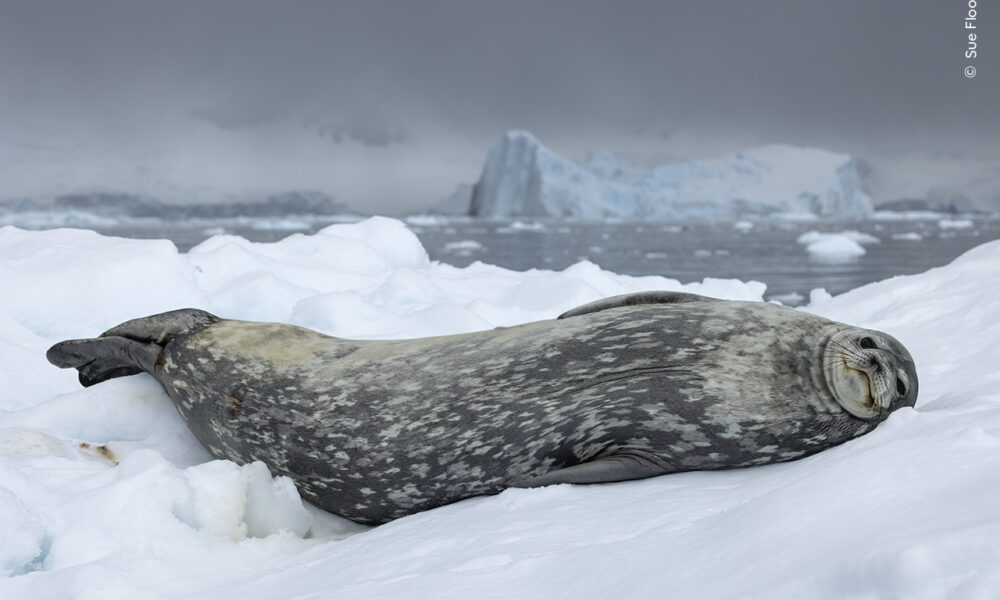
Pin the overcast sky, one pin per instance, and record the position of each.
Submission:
(414, 87)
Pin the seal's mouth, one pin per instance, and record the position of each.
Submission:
(855, 391)
(869, 401)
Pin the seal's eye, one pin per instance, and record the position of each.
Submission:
(867, 343)
(900, 387)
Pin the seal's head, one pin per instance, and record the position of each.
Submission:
(869, 372)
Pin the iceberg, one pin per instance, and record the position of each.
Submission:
(523, 178)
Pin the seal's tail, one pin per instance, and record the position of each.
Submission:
(127, 349)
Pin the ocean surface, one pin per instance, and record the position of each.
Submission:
(766, 251)
(761, 251)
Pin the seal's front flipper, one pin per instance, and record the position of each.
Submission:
(635, 300)
(100, 359)
(601, 470)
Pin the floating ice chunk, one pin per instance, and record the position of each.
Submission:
(516, 226)
(464, 245)
(835, 248)
(911, 236)
(789, 299)
(522, 226)
(279, 225)
(427, 220)
(955, 223)
(811, 237)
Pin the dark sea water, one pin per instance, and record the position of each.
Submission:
(765, 251)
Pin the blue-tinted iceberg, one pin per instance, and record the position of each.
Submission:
(523, 178)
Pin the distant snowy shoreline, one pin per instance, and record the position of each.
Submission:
(35, 217)
(521, 178)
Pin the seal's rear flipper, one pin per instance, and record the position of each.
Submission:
(103, 358)
(162, 328)
(600, 470)
(126, 349)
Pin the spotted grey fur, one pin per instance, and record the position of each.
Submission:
(623, 388)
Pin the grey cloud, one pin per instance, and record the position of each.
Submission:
(854, 75)
(367, 131)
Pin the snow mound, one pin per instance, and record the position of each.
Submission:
(239, 502)
(57, 267)
(105, 493)
(523, 178)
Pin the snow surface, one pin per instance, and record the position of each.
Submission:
(523, 178)
(104, 493)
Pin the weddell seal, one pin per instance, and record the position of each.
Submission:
(623, 388)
